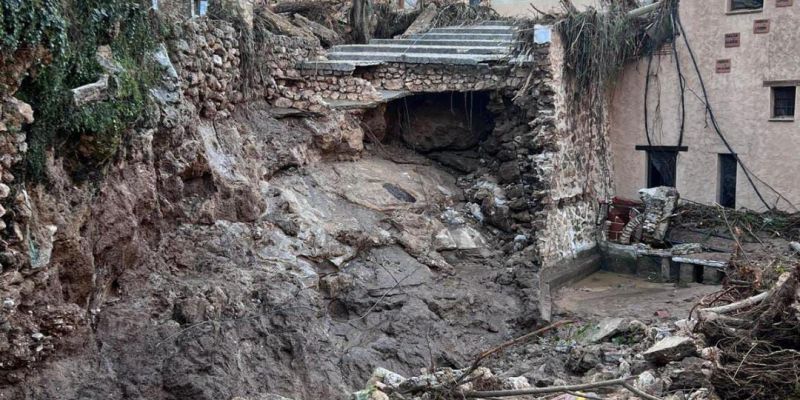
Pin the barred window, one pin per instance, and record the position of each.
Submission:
(737, 5)
(783, 101)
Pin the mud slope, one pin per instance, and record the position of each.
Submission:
(224, 259)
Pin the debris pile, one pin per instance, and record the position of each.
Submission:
(756, 334)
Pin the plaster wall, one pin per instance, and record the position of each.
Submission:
(740, 100)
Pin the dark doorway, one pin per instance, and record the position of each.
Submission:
(727, 180)
(661, 167)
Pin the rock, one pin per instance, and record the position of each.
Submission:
(584, 358)
(475, 211)
(649, 383)
(161, 57)
(90, 93)
(452, 217)
(508, 172)
(386, 377)
(20, 111)
(282, 102)
(459, 238)
(465, 162)
(606, 329)
(690, 373)
(674, 348)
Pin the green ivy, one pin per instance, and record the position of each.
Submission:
(127, 27)
(31, 23)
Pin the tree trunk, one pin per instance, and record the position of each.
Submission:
(361, 16)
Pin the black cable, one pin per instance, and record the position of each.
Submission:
(646, 93)
(711, 112)
(681, 79)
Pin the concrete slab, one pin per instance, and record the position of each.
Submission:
(419, 58)
(386, 96)
(337, 65)
(443, 42)
(464, 36)
(417, 48)
(486, 29)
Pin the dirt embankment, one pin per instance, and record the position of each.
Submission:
(240, 258)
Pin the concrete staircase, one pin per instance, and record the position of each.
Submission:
(489, 41)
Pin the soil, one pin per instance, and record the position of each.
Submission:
(607, 294)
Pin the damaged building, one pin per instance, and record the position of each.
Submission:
(365, 200)
(714, 113)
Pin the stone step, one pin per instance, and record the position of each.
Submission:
(406, 48)
(443, 42)
(418, 58)
(463, 36)
(486, 29)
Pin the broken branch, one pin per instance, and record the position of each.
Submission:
(560, 389)
(737, 305)
(486, 353)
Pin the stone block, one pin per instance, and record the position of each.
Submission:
(686, 274)
(712, 275)
(673, 348)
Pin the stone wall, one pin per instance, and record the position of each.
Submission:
(333, 85)
(574, 172)
(206, 55)
(421, 78)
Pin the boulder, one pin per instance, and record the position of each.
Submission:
(673, 348)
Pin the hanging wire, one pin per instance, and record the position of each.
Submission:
(711, 112)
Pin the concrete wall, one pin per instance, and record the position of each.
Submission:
(740, 101)
(522, 8)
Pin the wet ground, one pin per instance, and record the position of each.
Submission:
(608, 294)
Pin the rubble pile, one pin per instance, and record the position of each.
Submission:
(615, 358)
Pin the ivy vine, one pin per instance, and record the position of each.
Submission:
(87, 137)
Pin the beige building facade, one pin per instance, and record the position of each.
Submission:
(748, 53)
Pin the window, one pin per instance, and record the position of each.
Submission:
(742, 5)
(661, 166)
(783, 101)
(726, 190)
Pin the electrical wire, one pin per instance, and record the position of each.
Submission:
(646, 95)
(711, 112)
(681, 78)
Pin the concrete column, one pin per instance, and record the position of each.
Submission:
(712, 275)
(666, 263)
(686, 274)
